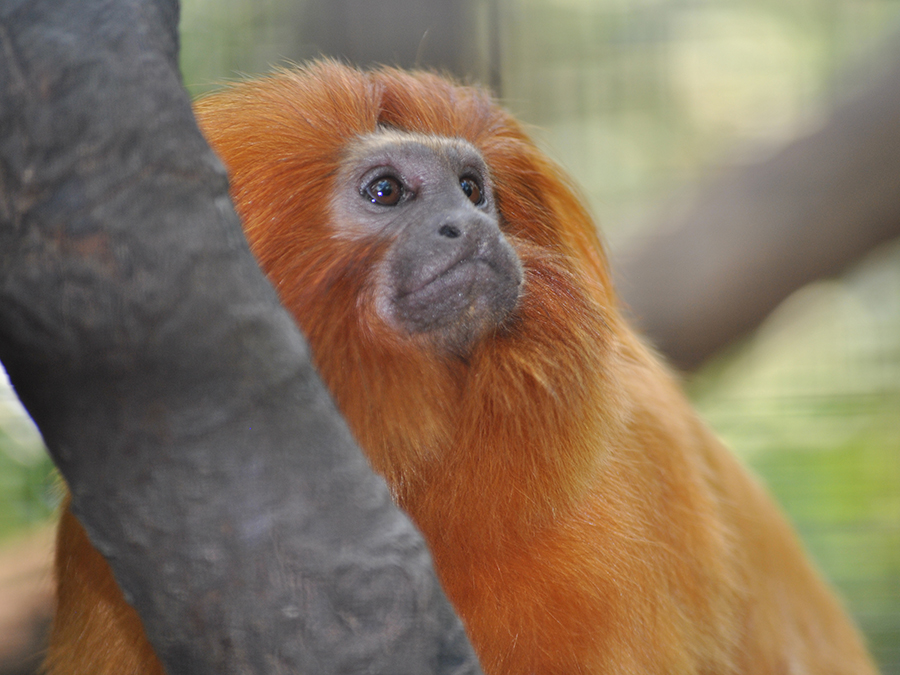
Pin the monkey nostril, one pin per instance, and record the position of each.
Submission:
(449, 231)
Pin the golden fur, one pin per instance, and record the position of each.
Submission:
(581, 518)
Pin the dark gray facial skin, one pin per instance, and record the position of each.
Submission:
(449, 271)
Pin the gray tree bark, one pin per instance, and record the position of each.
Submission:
(204, 456)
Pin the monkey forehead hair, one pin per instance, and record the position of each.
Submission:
(287, 134)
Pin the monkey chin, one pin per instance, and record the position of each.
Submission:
(462, 305)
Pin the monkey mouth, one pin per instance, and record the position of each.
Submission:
(464, 295)
(459, 273)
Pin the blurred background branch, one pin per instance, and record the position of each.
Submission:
(743, 160)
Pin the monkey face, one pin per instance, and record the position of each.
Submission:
(448, 270)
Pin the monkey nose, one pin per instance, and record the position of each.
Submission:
(449, 231)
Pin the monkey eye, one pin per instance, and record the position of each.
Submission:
(473, 191)
(385, 191)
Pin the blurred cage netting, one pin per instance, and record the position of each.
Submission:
(637, 100)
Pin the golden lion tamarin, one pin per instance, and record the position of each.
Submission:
(458, 304)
